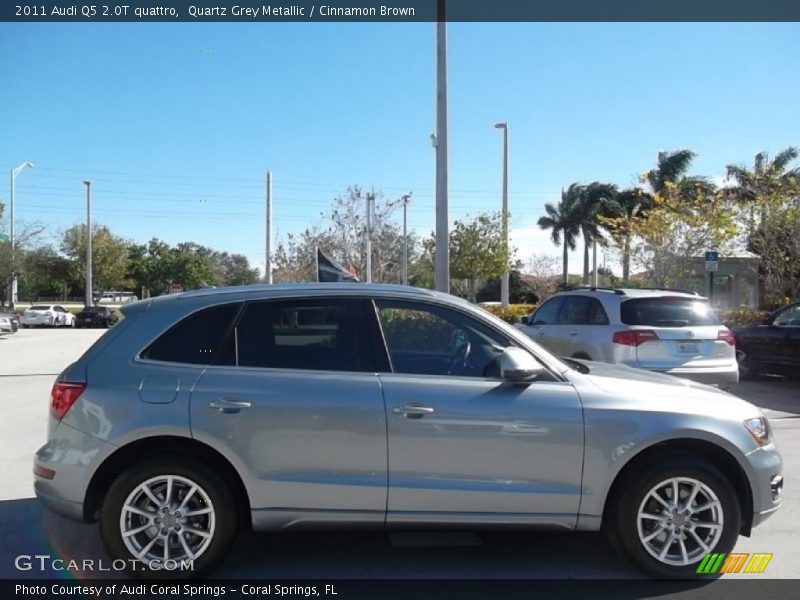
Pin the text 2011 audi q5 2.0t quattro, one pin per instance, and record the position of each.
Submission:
(379, 406)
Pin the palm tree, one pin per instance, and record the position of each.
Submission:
(766, 177)
(562, 219)
(670, 172)
(622, 212)
(593, 203)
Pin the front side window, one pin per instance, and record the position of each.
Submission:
(196, 340)
(318, 335)
(432, 340)
(789, 317)
(548, 312)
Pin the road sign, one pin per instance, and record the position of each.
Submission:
(712, 261)
(175, 288)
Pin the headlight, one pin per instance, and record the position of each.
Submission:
(760, 430)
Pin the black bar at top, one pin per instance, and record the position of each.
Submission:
(261, 11)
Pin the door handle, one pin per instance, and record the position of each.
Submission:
(542, 331)
(413, 410)
(229, 405)
(574, 332)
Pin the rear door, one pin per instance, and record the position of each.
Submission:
(681, 331)
(294, 402)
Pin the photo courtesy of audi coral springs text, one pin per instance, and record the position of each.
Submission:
(274, 407)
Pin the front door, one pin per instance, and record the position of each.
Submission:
(465, 445)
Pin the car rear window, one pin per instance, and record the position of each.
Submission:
(667, 312)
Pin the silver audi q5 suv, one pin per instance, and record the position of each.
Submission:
(357, 405)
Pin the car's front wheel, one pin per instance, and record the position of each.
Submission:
(168, 518)
(674, 513)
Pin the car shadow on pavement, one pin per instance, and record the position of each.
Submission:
(29, 531)
(775, 393)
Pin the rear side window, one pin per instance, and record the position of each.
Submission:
(322, 335)
(667, 312)
(196, 339)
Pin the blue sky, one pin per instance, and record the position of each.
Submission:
(176, 124)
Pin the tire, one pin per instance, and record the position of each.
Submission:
(219, 525)
(747, 372)
(662, 555)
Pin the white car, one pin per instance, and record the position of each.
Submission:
(8, 323)
(666, 331)
(50, 315)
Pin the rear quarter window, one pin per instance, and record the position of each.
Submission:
(196, 339)
(667, 312)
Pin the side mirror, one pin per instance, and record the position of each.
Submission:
(524, 319)
(517, 365)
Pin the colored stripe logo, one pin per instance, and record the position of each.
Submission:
(735, 562)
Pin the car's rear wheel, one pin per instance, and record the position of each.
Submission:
(168, 518)
(673, 514)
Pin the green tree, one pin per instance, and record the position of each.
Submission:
(594, 200)
(627, 210)
(688, 216)
(45, 273)
(768, 201)
(564, 222)
(109, 256)
(478, 251)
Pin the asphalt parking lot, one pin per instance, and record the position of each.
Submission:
(30, 360)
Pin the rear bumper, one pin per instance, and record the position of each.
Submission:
(724, 377)
(73, 457)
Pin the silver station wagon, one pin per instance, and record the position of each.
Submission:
(354, 405)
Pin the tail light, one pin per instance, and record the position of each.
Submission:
(63, 397)
(634, 337)
(726, 336)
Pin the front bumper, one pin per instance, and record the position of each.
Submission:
(766, 479)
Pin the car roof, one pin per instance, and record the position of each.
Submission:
(287, 290)
(634, 292)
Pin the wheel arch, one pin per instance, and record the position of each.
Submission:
(151, 447)
(717, 456)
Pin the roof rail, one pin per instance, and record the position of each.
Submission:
(666, 289)
(591, 288)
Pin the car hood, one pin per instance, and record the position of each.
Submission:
(649, 391)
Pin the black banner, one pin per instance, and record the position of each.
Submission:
(325, 11)
(407, 589)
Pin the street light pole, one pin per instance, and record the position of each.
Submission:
(441, 268)
(405, 239)
(504, 277)
(13, 295)
(88, 297)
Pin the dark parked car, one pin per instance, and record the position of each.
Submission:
(95, 316)
(772, 346)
